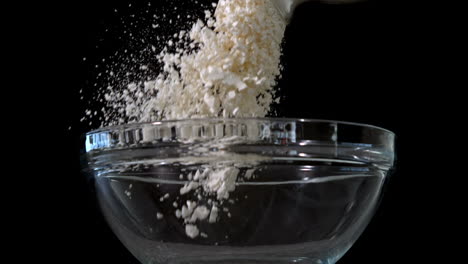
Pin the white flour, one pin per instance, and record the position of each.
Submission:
(226, 66)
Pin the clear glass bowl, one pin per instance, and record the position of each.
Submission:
(295, 190)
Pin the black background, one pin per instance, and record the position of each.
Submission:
(359, 63)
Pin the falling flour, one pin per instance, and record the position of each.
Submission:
(226, 66)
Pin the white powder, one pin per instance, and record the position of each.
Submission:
(249, 173)
(213, 214)
(188, 187)
(222, 182)
(232, 74)
(216, 181)
(224, 67)
(192, 231)
(200, 213)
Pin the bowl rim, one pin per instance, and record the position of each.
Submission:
(215, 119)
(272, 138)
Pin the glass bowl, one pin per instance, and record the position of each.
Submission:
(250, 190)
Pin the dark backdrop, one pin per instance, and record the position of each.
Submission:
(352, 63)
